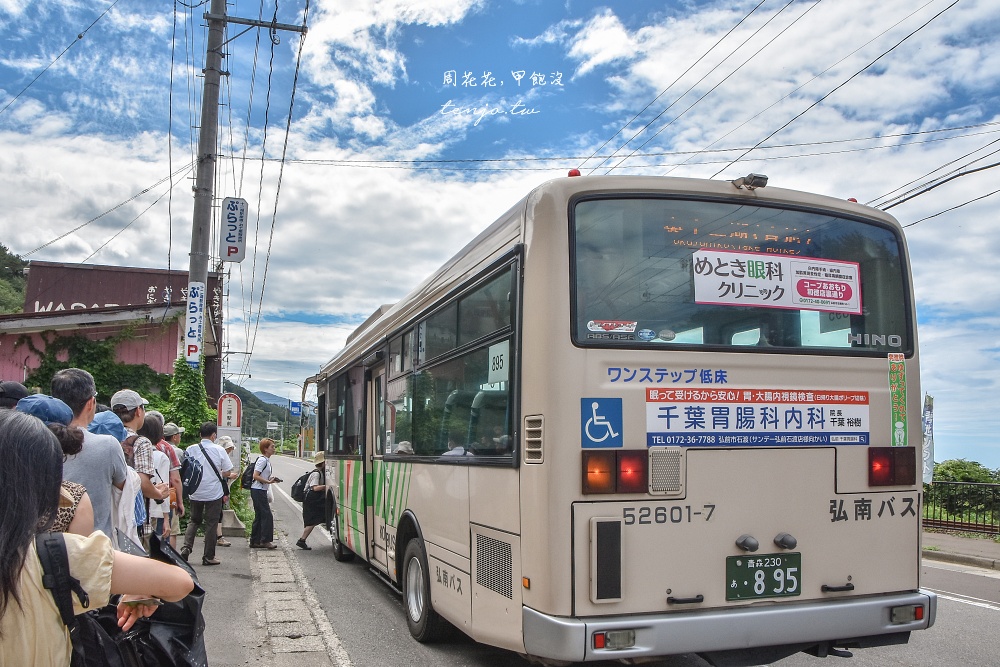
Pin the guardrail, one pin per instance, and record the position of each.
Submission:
(970, 507)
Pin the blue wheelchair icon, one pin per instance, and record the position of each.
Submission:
(601, 422)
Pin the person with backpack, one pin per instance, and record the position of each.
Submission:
(314, 500)
(32, 631)
(207, 498)
(262, 531)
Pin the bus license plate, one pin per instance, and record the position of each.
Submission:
(763, 576)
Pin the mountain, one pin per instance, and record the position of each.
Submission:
(256, 412)
(273, 399)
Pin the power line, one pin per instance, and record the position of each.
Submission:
(79, 37)
(941, 182)
(700, 58)
(818, 75)
(838, 87)
(988, 194)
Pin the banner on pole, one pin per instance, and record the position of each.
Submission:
(194, 322)
(928, 427)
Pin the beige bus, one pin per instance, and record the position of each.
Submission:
(643, 416)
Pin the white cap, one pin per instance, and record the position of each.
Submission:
(128, 398)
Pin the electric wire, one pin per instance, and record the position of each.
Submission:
(803, 85)
(187, 167)
(663, 92)
(838, 87)
(941, 182)
(947, 210)
(277, 193)
(79, 37)
(724, 79)
(889, 200)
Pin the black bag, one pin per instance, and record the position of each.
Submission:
(299, 487)
(93, 642)
(246, 479)
(174, 635)
(191, 474)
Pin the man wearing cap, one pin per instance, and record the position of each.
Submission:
(131, 409)
(10, 393)
(171, 438)
(100, 465)
(314, 505)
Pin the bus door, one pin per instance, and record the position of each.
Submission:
(375, 436)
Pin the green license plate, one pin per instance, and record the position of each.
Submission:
(756, 576)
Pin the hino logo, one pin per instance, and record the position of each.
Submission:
(875, 339)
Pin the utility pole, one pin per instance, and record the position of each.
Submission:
(201, 231)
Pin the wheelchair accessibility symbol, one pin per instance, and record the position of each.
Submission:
(601, 422)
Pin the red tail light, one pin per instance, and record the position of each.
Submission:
(632, 476)
(892, 466)
(615, 471)
(599, 471)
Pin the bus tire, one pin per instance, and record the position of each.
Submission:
(425, 624)
(340, 552)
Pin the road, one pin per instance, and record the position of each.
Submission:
(368, 617)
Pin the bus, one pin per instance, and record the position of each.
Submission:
(642, 416)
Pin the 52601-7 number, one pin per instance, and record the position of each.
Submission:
(661, 514)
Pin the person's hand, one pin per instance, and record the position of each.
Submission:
(163, 489)
(180, 509)
(128, 614)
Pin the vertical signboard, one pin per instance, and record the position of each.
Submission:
(194, 323)
(233, 237)
(928, 423)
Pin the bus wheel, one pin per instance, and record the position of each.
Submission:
(424, 623)
(340, 552)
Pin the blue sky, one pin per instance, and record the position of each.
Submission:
(854, 99)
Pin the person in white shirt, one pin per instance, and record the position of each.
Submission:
(262, 531)
(206, 501)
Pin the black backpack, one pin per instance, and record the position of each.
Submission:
(191, 474)
(299, 488)
(246, 479)
(92, 633)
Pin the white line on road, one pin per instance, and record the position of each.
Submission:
(966, 599)
(334, 648)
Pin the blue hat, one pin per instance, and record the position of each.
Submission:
(49, 410)
(108, 423)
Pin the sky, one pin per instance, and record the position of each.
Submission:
(373, 149)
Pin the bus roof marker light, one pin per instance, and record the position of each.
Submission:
(574, 172)
(751, 181)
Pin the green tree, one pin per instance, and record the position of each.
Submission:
(188, 406)
(12, 282)
(960, 470)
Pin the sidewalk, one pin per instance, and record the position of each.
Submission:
(277, 623)
(977, 552)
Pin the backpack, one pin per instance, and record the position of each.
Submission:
(299, 488)
(94, 644)
(191, 473)
(246, 479)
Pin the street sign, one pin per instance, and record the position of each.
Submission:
(233, 236)
(194, 320)
(272, 426)
(230, 411)
(295, 409)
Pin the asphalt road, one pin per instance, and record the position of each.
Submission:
(368, 618)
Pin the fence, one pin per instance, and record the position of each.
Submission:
(970, 507)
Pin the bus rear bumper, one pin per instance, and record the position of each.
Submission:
(833, 621)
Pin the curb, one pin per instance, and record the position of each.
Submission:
(962, 559)
(297, 631)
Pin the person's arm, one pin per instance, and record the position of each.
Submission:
(83, 519)
(150, 490)
(175, 481)
(137, 577)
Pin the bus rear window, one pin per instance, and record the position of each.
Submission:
(672, 272)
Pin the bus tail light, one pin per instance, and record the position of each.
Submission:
(906, 614)
(599, 471)
(614, 639)
(632, 476)
(615, 471)
(892, 466)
